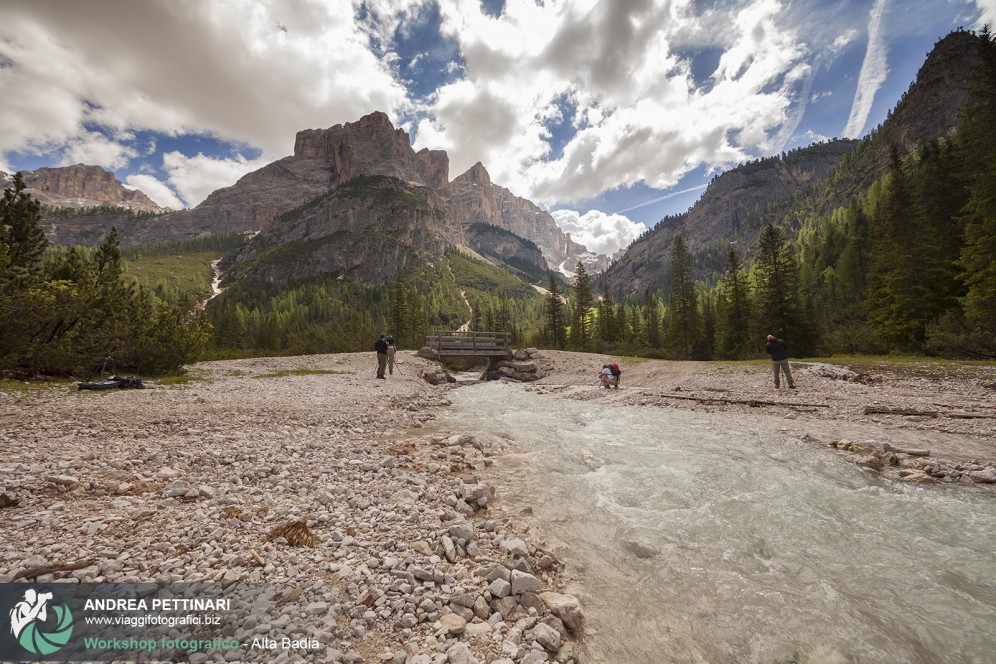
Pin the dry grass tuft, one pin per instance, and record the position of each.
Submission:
(232, 512)
(296, 533)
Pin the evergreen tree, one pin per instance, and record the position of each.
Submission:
(683, 329)
(583, 299)
(608, 328)
(22, 239)
(400, 314)
(652, 323)
(776, 277)
(555, 321)
(733, 313)
(977, 255)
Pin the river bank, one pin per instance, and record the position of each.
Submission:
(411, 521)
(200, 482)
(722, 525)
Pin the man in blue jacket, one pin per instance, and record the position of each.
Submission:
(778, 350)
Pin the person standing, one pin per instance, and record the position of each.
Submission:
(381, 348)
(391, 350)
(778, 350)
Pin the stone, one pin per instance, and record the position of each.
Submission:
(500, 588)
(987, 476)
(178, 488)
(478, 629)
(524, 583)
(421, 547)
(63, 480)
(453, 624)
(515, 547)
(569, 653)
(459, 653)
(565, 607)
(461, 530)
(316, 608)
(547, 637)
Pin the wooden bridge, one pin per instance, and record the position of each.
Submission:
(471, 344)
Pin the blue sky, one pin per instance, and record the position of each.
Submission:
(609, 114)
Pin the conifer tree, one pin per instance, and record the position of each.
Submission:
(399, 313)
(583, 299)
(683, 327)
(733, 313)
(555, 321)
(21, 236)
(979, 139)
(776, 275)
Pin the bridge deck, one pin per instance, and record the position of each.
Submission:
(471, 344)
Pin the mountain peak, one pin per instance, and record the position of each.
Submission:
(84, 186)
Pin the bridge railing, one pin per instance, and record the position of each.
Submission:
(451, 342)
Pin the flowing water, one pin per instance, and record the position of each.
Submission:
(717, 537)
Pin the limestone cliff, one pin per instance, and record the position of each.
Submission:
(83, 186)
(474, 199)
(367, 230)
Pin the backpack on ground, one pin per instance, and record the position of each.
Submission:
(616, 371)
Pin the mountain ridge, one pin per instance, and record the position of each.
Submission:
(733, 209)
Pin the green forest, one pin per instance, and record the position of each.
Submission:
(62, 312)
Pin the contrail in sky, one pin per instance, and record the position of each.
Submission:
(662, 198)
(874, 70)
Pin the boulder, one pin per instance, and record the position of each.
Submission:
(565, 607)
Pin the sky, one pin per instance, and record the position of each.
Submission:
(610, 114)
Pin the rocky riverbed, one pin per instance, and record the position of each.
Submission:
(371, 536)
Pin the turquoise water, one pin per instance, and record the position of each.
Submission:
(714, 537)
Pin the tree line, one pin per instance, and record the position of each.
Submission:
(62, 313)
(908, 266)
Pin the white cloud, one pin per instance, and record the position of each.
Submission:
(987, 9)
(196, 177)
(874, 71)
(600, 232)
(94, 148)
(224, 69)
(638, 113)
(155, 189)
(843, 40)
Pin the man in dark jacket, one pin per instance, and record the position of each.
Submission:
(381, 348)
(778, 350)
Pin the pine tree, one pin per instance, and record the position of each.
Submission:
(400, 314)
(776, 276)
(583, 299)
(683, 329)
(978, 134)
(555, 322)
(21, 235)
(733, 313)
(652, 323)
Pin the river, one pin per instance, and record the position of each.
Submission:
(716, 537)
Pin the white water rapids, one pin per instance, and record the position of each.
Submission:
(718, 537)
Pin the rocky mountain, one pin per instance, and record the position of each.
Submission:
(366, 230)
(81, 203)
(267, 202)
(81, 186)
(736, 204)
(474, 199)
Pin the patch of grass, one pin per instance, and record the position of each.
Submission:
(178, 380)
(911, 366)
(12, 385)
(301, 372)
